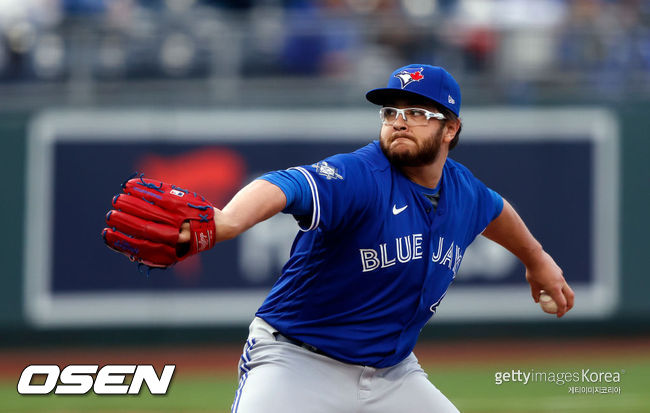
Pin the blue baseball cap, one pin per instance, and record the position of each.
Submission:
(431, 82)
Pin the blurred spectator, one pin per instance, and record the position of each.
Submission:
(84, 7)
(320, 38)
(583, 37)
(21, 24)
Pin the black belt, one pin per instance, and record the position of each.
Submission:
(281, 337)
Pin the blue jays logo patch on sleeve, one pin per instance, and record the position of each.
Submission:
(327, 170)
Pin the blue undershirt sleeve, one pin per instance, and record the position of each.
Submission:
(295, 187)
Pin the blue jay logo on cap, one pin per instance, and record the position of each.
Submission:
(408, 76)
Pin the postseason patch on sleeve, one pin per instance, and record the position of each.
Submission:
(327, 170)
(342, 186)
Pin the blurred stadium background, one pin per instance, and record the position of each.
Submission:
(556, 97)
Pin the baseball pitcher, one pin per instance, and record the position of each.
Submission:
(383, 231)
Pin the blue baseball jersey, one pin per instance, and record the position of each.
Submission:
(374, 258)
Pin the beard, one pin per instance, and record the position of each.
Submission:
(424, 154)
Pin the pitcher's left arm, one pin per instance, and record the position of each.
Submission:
(542, 273)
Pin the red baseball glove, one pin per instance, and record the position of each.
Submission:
(147, 217)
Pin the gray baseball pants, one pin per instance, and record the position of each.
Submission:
(277, 376)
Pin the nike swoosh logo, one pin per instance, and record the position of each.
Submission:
(398, 210)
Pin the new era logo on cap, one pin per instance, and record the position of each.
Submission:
(417, 81)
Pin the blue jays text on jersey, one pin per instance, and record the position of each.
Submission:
(373, 258)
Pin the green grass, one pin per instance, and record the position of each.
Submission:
(471, 388)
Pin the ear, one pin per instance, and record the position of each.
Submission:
(450, 129)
